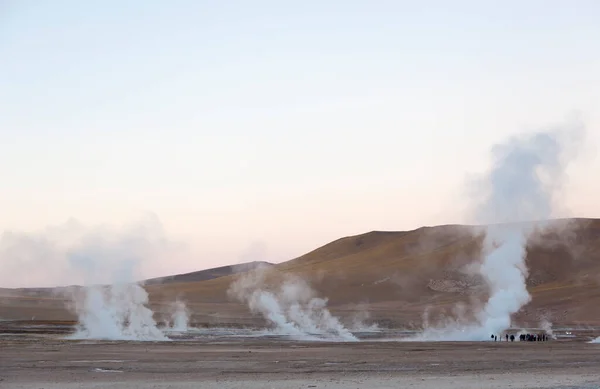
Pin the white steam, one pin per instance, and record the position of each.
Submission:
(519, 191)
(180, 317)
(292, 309)
(107, 262)
(360, 318)
(547, 327)
(116, 312)
(121, 312)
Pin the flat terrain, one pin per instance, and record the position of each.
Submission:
(28, 362)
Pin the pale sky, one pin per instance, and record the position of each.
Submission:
(260, 130)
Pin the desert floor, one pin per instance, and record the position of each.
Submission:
(49, 362)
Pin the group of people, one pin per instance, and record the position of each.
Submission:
(524, 337)
(533, 337)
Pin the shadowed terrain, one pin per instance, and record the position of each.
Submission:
(395, 275)
(208, 274)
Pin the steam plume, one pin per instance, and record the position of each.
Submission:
(106, 261)
(547, 327)
(116, 312)
(119, 310)
(292, 309)
(519, 191)
(179, 317)
(360, 318)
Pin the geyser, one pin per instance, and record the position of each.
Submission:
(121, 312)
(515, 196)
(111, 305)
(116, 312)
(179, 317)
(292, 309)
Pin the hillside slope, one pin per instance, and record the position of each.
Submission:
(400, 274)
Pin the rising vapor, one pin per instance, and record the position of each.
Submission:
(292, 309)
(106, 263)
(517, 195)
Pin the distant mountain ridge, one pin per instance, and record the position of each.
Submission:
(208, 274)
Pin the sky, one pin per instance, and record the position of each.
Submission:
(261, 130)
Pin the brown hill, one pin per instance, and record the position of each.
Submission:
(399, 275)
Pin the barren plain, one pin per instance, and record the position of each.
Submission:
(259, 363)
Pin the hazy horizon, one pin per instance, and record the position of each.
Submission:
(177, 137)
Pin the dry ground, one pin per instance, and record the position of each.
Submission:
(35, 363)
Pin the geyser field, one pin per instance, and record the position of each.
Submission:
(428, 308)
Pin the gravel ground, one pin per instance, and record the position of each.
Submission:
(50, 363)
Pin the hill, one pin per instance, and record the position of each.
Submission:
(397, 276)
